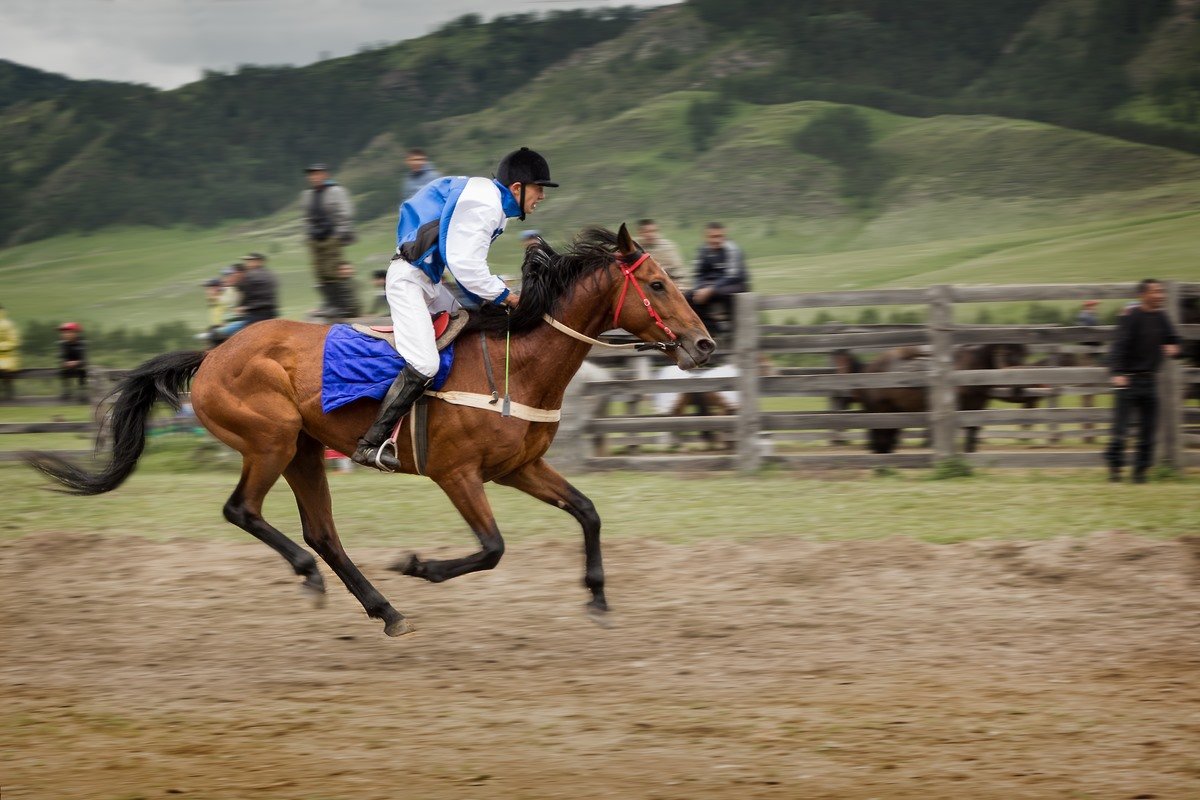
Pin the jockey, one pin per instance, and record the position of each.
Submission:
(449, 224)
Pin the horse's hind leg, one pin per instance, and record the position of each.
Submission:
(539, 479)
(244, 509)
(306, 475)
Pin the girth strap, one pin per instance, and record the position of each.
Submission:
(518, 410)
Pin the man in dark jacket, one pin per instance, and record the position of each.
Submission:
(1144, 337)
(72, 360)
(329, 226)
(259, 288)
(719, 274)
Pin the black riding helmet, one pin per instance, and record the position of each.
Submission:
(524, 166)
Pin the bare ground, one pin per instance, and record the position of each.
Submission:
(775, 668)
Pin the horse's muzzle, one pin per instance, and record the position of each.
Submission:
(694, 351)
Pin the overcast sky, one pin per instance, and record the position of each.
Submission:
(167, 43)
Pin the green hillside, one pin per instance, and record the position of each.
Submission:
(831, 172)
(89, 154)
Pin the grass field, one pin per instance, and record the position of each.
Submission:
(161, 500)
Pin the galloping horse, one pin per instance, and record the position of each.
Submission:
(260, 393)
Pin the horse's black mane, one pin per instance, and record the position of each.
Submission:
(546, 276)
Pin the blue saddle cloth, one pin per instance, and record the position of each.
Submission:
(358, 366)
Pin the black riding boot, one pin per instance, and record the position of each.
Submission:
(374, 448)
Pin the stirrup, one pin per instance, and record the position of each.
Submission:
(374, 457)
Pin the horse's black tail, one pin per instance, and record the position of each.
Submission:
(161, 378)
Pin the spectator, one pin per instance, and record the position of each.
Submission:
(328, 214)
(10, 356)
(1144, 336)
(228, 302)
(420, 172)
(379, 303)
(1086, 318)
(216, 310)
(719, 274)
(259, 288)
(664, 251)
(72, 361)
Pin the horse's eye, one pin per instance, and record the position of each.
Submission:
(657, 286)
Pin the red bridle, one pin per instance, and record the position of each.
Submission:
(627, 269)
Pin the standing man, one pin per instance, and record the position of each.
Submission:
(72, 360)
(328, 221)
(420, 172)
(10, 356)
(260, 290)
(719, 274)
(664, 251)
(1144, 337)
(449, 225)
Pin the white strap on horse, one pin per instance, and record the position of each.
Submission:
(518, 410)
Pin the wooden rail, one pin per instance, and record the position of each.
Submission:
(753, 429)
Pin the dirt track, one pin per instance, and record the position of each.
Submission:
(775, 668)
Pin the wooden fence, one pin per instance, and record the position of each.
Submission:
(760, 436)
(755, 432)
(99, 383)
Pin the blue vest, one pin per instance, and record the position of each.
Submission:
(425, 219)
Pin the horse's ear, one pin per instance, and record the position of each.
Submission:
(625, 241)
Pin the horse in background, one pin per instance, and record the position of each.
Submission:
(901, 399)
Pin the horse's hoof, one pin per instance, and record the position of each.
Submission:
(398, 627)
(407, 565)
(314, 587)
(597, 612)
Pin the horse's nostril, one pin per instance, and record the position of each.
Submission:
(706, 345)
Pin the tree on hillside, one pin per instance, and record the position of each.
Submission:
(843, 135)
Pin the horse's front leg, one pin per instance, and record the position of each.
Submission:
(466, 492)
(542, 481)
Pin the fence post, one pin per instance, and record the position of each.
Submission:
(1170, 393)
(942, 396)
(745, 336)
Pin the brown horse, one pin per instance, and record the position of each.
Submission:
(905, 399)
(260, 393)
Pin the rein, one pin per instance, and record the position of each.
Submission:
(627, 269)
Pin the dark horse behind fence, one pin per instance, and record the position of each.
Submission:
(902, 399)
(260, 393)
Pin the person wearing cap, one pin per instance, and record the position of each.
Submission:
(72, 360)
(10, 356)
(420, 172)
(448, 226)
(259, 289)
(329, 227)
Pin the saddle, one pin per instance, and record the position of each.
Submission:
(446, 328)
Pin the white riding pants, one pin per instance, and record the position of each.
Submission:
(413, 297)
